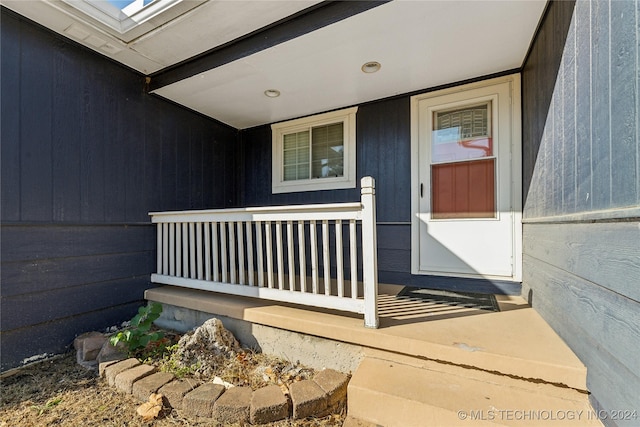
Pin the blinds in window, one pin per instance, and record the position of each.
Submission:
(314, 153)
(327, 151)
(471, 122)
(296, 156)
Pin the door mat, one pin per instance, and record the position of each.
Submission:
(460, 299)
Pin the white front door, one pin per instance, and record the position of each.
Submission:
(467, 199)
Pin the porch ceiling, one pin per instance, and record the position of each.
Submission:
(420, 44)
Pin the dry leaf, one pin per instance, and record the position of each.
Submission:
(150, 410)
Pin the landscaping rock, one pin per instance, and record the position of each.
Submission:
(143, 388)
(109, 352)
(211, 336)
(334, 384)
(233, 406)
(77, 342)
(268, 404)
(113, 370)
(87, 346)
(308, 399)
(91, 346)
(125, 379)
(199, 402)
(207, 347)
(175, 390)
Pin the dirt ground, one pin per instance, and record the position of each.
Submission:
(61, 392)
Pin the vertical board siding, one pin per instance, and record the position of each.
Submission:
(538, 80)
(10, 129)
(624, 89)
(582, 155)
(86, 154)
(588, 148)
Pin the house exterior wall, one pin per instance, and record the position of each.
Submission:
(383, 151)
(86, 154)
(581, 216)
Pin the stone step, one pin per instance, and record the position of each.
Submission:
(400, 391)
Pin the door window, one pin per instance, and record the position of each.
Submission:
(462, 163)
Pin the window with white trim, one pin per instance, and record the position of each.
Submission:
(315, 153)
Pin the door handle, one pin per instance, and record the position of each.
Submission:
(421, 187)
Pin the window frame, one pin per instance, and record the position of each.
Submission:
(278, 130)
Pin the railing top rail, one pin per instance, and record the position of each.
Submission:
(329, 211)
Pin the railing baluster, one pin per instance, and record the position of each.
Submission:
(279, 259)
(199, 250)
(223, 250)
(185, 249)
(259, 254)
(216, 251)
(207, 251)
(172, 249)
(250, 253)
(192, 250)
(339, 261)
(178, 249)
(326, 259)
(240, 254)
(165, 248)
(269, 253)
(302, 268)
(291, 257)
(353, 257)
(159, 250)
(314, 256)
(232, 252)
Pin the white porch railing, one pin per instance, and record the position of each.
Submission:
(304, 254)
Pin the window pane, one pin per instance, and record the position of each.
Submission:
(295, 156)
(290, 157)
(320, 169)
(462, 134)
(303, 155)
(303, 171)
(327, 151)
(290, 173)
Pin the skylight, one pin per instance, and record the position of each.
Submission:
(126, 7)
(128, 19)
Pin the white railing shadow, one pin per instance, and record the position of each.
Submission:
(303, 254)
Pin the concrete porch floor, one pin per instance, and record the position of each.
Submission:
(515, 342)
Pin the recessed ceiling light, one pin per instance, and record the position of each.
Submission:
(371, 67)
(272, 93)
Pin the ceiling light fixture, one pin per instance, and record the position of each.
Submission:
(371, 67)
(272, 93)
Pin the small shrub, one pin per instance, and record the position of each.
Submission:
(139, 335)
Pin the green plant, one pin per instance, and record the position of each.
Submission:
(171, 363)
(139, 335)
(51, 403)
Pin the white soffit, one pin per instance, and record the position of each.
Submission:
(420, 44)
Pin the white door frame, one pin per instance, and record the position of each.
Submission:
(516, 173)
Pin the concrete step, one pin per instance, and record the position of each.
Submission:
(390, 390)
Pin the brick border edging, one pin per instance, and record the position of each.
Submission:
(323, 395)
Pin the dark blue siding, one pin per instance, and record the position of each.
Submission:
(86, 154)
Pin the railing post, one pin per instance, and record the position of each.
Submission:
(369, 251)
